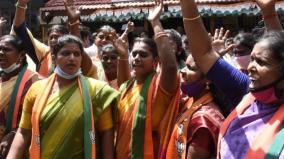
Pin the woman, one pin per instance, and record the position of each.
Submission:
(197, 126)
(15, 80)
(253, 129)
(244, 43)
(63, 118)
(179, 50)
(41, 53)
(109, 61)
(149, 102)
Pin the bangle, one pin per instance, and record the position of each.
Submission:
(268, 16)
(76, 22)
(191, 19)
(21, 6)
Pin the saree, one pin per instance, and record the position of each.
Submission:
(208, 117)
(62, 119)
(12, 93)
(137, 116)
(265, 143)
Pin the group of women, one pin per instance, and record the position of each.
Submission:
(153, 102)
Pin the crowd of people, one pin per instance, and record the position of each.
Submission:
(169, 96)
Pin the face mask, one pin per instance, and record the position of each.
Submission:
(243, 61)
(11, 68)
(62, 74)
(265, 96)
(194, 88)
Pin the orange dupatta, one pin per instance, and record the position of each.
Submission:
(36, 113)
(261, 144)
(192, 107)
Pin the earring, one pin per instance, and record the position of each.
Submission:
(207, 86)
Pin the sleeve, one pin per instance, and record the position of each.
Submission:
(204, 128)
(27, 107)
(162, 100)
(229, 80)
(93, 72)
(105, 96)
(35, 49)
(105, 121)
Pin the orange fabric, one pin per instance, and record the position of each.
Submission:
(128, 105)
(93, 155)
(179, 135)
(44, 69)
(38, 107)
(167, 123)
(263, 141)
(40, 103)
(19, 98)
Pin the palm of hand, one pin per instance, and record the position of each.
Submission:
(218, 45)
(265, 3)
(72, 11)
(155, 14)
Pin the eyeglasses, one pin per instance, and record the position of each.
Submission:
(111, 58)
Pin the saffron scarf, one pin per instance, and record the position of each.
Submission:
(142, 145)
(261, 146)
(16, 97)
(177, 145)
(89, 130)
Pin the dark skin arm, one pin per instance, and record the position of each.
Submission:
(168, 79)
(269, 14)
(73, 19)
(107, 144)
(20, 144)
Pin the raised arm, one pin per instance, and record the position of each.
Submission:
(269, 14)
(123, 68)
(201, 47)
(20, 14)
(169, 67)
(73, 14)
(129, 28)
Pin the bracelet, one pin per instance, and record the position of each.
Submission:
(76, 22)
(191, 19)
(20, 6)
(268, 16)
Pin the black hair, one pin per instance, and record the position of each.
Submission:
(63, 40)
(17, 43)
(245, 39)
(58, 28)
(176, 37)
(108, 48)
(13, 40)
(150, 43)
(84, 31)
(275, 46)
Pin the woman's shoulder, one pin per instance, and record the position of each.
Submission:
(211, 112)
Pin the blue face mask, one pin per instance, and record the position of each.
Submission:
(62, 74)
(193, 89)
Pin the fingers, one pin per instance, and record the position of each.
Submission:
(220, 34)
(216, 34)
